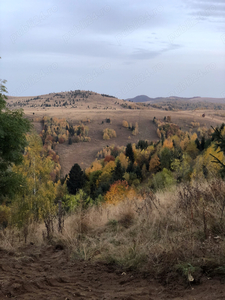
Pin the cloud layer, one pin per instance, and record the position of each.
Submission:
(129, 37)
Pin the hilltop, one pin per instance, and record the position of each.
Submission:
(76, 99)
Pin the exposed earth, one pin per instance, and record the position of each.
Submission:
(47, 273)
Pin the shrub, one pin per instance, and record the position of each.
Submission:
(125, 124)
(106, 136)
(75, 139)
(162, 180)
(135, 131)
(108, 133)
(61, 140)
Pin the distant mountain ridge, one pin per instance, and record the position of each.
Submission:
(146, 99)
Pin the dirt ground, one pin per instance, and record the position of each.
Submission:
(47, 273)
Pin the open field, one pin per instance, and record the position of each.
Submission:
(93, 106)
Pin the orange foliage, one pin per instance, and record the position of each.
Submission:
(109, 158)
(168, 143)
(125, 124)
(119, 191)
(154, 163)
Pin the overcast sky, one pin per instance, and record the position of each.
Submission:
(117, 47)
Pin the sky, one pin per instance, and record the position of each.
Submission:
(122, 48)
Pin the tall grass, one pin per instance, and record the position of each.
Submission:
(175, 233)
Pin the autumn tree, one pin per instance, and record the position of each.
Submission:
(123, 160)
(96, 166)
(162, 180)
(168, 143)
(125, 124)
(204, 166)
(166, 156)
(118, 192)
(192, 149)
(154, 164)
(219, 139)
(37, 202)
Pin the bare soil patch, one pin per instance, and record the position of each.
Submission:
(48, 273)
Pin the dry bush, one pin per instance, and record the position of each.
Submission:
(75, 139)
(108, 133)
(195, 124)
(135, 131)
(12, 238)
(106, 136)
(125, 124)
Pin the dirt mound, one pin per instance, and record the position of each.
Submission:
(47, 273)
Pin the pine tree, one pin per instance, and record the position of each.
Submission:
(130, 168)
(138, 172)
(76, 179)
(129, 152)
(142, 145)
(118, 172)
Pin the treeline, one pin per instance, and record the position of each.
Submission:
(186, 105)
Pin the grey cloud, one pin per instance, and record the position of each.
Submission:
(207, 8)
(142, 28)
(145, 54)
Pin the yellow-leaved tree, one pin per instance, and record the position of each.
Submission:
(37, 202)
(118, 192)
(96, 165)
(123, 160)
(205, 167)
(107, 172)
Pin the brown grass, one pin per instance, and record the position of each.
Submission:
(179, 232)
